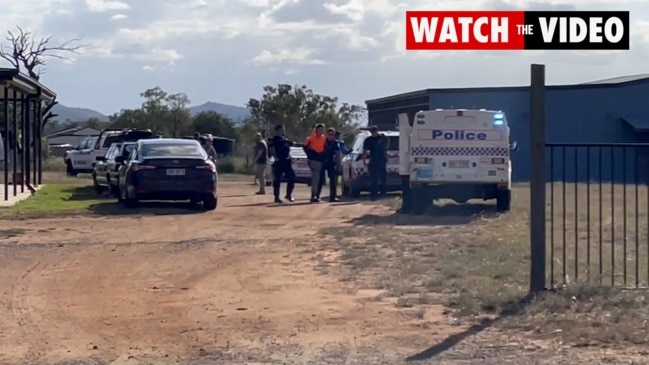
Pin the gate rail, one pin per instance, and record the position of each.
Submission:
(597, 213)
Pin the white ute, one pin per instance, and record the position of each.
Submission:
(455, 154)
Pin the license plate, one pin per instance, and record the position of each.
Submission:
(175, 172)
(459, 164)
(394, 160)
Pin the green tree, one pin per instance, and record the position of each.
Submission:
(299, 109)
(128, 118)
(156, 110)
(179, 118)
(215, 123)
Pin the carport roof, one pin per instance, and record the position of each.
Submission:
(16, 81)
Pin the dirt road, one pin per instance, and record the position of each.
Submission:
(165, 285)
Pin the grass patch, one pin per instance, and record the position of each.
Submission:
(477, 262)
(59, 197)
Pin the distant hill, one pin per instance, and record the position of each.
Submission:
(236, 113)
(73, 114)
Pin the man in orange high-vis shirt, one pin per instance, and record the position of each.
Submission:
(314, 147)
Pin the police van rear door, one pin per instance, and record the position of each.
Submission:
(461, 146)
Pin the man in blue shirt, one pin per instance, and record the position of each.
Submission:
(343, 149)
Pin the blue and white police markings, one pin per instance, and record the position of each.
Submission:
(459, 135)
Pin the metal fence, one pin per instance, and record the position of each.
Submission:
(597, 199)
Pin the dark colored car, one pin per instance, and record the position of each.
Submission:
(168, 169)
(107, 168)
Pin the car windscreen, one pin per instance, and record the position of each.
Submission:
(127, 150)
(172, 149)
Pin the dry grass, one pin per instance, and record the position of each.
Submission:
(476, 262)
(598, 238)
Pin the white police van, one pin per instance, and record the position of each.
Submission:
(455, 154)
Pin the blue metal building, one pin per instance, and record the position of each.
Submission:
(608, 111)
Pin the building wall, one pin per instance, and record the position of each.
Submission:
(384, 115)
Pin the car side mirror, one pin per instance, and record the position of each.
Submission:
(513, 146)
(120, 159)
(100, 158)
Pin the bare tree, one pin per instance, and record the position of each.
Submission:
(28, 54)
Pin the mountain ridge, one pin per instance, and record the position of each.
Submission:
(80, 114)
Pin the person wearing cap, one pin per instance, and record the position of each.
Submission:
(375, 147)
(209, 147)
(314, 147)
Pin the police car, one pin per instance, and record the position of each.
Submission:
(355, 177)
(456, 154)
(300, 166)
(78, 160)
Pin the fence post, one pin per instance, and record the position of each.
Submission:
(537, 178)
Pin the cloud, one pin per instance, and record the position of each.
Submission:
(250, 43)
(106, 5)
(159, 55)
(291, 56)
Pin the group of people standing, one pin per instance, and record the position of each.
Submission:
(207, 142)
(324, 150)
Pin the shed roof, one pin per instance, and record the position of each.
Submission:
(605, 83)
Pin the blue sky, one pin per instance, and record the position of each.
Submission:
(226, 51)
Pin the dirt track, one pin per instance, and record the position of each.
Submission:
(166, 285)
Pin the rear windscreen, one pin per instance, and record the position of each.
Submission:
(176, 150)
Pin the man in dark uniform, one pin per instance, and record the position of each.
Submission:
(280, 147)
(331, 164)
(375, 147)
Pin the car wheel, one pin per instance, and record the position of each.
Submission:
(127, 200)
(98, 189)
(111, 188)
(344, 186)
(69, 169)
(503, 200)
(210, 202)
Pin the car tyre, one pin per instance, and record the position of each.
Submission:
(69, 169)
(210, 202)
(127, 200)
(503, 200)
(420, 201)
(112, 188)
(98, 189)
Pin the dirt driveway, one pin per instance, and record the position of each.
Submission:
(155, 288)
(238, 285)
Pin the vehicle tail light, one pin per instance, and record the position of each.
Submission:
(143, 167)
(208, 166)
